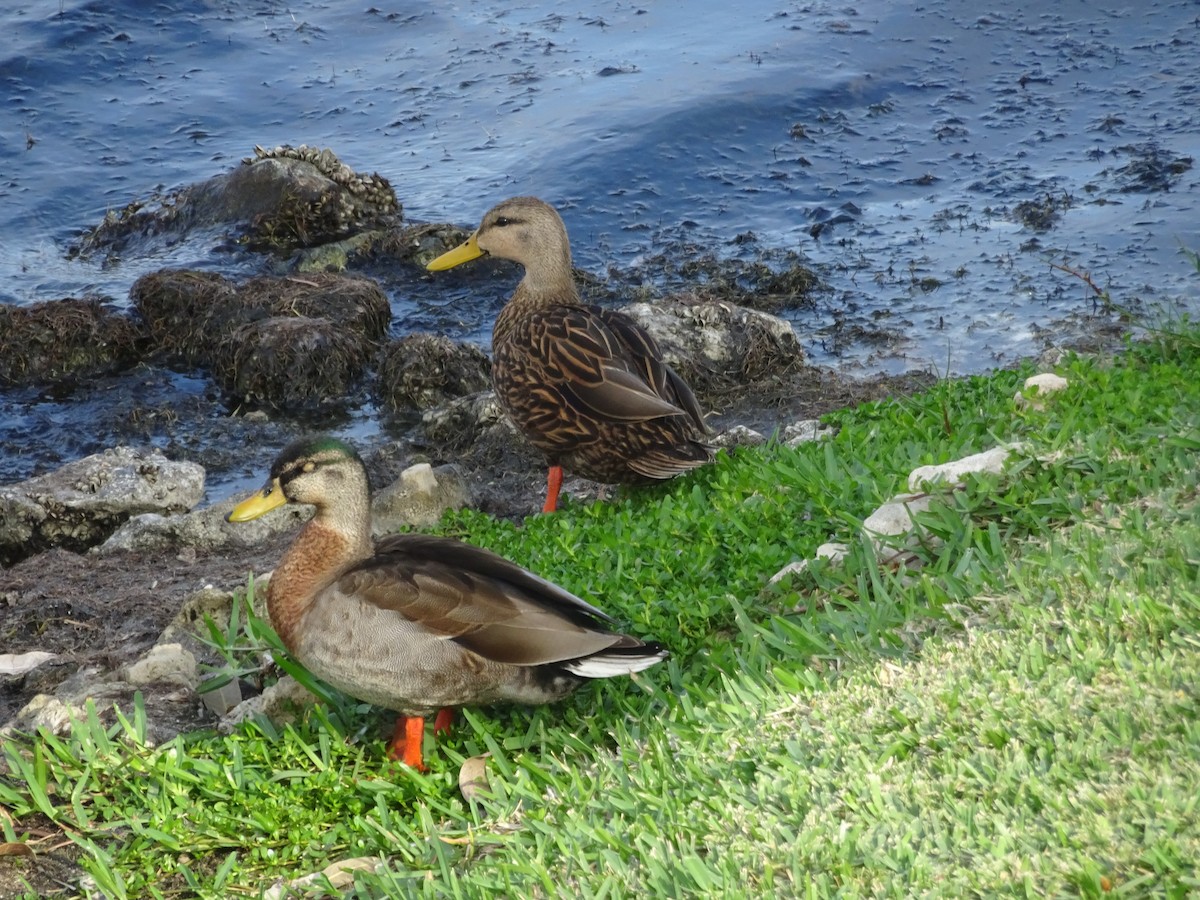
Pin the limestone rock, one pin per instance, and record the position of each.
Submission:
(203, 529)
(164, 663)
(84, 502)
(1038, 389)
(20, 663)
(989, 461)
(716, 345)
(281, 702)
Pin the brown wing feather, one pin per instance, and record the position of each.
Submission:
(592, 368)
(483, 602)
(641, 349)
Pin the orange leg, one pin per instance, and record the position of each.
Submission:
(443, 720)
(407, 740)
(554, 479)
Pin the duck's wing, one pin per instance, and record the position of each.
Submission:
(608, 371)
(454, 591)
(640, 349)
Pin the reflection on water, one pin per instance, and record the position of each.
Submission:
(902, 138)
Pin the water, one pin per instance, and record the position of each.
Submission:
(916, 130)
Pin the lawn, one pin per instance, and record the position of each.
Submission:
(1011, 706)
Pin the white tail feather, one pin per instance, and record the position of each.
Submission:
(614, 664)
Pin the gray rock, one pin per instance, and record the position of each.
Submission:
(951, 473)
(460, 422)
(282, 702)
(85, 501)
(738, 436)
(804, 431)
(418, 498)
(710, 340)
(204, 529)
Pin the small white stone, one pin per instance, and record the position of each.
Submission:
(738, 436)
(20, 663)
(1038, 389)
(991, 461)
(792, 568)
(832, 551)
(804, 431)
(896, 516)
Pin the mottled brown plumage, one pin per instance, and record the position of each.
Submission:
(586, 385)
(420, 623)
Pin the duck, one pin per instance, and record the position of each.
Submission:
(587, 386)
(416, 623)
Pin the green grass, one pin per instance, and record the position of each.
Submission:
(1014, 712)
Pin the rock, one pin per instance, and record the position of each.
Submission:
(738, 436)
(214, 604)
(460, 422)
(417, 244)
(204, 529)
(793, 568)
(288, 197)
(164, 663)
(804, 431)
(65, 339)
(43, 711)
(84, 502)
(418, 498)
(895, 518)
(292, 363)
(990, 461)
(20, 663)
(221, 700)
(187, 313)
(422, 371)
(281, 703)
(717, 346)
(833, 552)
(1037, 390)
(192, 316)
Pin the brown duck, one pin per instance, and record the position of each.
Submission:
(586, 385)
(419, 623)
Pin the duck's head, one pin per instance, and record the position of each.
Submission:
(523, 229)
(322, 471)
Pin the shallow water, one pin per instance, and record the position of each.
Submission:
(910, 135)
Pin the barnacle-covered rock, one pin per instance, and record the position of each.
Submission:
(191, 315)
(292, 363)
(60, 339)
(421, 371)
(284, 198)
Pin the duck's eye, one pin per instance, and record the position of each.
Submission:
(309, 467)
(503, 221)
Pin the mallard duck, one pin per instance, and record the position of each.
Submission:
(419, 623)
(586, 385)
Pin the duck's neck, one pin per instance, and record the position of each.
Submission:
(315, 559)
(547, 282)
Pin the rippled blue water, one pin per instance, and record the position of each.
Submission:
(924, 126)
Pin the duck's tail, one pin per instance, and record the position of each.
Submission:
(617, 661)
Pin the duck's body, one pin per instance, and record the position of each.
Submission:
(586, 385)
(420, 623)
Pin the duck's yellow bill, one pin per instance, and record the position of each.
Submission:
(464, 252)
(269, 498)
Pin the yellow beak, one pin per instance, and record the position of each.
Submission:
(259, 504)
(464, 252)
